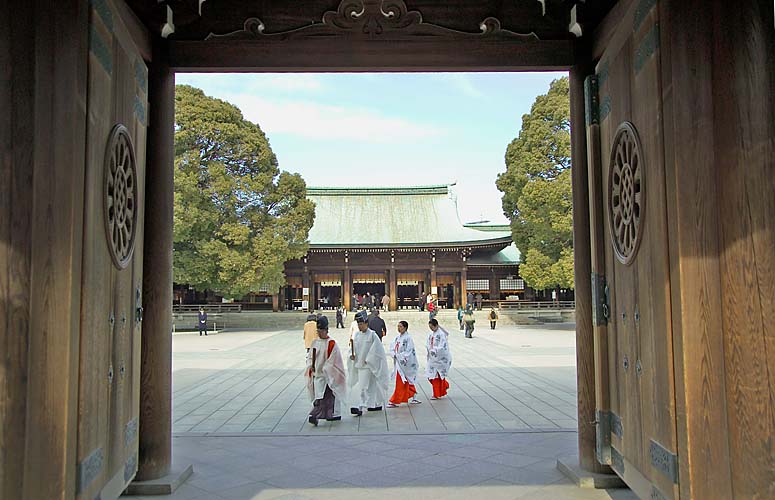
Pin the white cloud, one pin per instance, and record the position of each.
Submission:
(462, 82)
(319, 121)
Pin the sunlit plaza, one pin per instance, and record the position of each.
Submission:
(241, 405)
(511, 378)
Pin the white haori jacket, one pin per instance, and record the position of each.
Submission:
(328, 370)
(439, 356)
(369, 355)
(404, 358)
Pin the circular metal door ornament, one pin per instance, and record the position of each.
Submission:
(120, 196)
(625, 193)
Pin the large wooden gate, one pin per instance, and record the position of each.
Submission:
(635, 391)
(109, 381)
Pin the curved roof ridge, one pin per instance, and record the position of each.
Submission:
(377, 190)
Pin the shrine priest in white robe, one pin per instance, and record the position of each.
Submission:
(326, 379)
(368, 373)
(405, 367)
(439, 359)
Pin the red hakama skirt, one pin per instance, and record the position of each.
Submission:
(440, 386)
(404, 391)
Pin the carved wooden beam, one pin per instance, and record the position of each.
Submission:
(387, 56)
(372, 19)
(371, 35)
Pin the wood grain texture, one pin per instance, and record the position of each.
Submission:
(743, 87)
(42, 87)
(597, 261)
(95, 389)
(626, 295)
(585, 346)
(609, 35)
(17, 100)
(353, 56)
(699, 347)
(155, 451)
(56, 251)
(653, 329)
(110, 341)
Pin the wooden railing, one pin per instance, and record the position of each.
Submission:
(547, 304)
(209, 308)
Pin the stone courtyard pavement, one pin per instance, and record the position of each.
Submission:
(486, 466)
(240, 411)
(511, 378)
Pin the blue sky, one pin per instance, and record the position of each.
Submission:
(389, 129)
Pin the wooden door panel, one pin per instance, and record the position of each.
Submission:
(110, 335)
(639, 337)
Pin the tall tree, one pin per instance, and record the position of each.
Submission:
(237, 217)
(536, 190)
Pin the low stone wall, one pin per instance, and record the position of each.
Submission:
(294, 320)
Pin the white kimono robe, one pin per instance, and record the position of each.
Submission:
(439, 358)
(368, 373)
(404, 358)
(328, 371)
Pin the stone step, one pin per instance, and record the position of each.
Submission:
(294, 320)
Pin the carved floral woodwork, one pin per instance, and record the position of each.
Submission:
(371, 19)
(120, 196)
(626, 193)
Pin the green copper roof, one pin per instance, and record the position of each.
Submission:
(509, 256)
(392, 216)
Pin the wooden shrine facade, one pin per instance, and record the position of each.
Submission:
(672, 105)
(405, 276)
(403, 242)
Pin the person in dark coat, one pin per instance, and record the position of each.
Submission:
(377, 324)
(493, 316)
(339, 317)
(202, 321)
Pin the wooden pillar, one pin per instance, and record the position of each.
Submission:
(457, 290)
(494, 285)
(585, 353)
(393, 290)
(155, 452)
(347, 288)
(313, 292)
(463, 287)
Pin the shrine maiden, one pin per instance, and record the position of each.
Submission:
(405, 367)
(439, 359)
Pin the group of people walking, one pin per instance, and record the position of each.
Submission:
(369, 301)
(367, 377)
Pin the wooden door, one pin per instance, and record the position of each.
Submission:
(109, 379)
(631, 271)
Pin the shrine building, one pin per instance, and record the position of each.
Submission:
(401, 241)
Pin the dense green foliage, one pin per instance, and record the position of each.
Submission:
(237, 217)
(537, 190)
